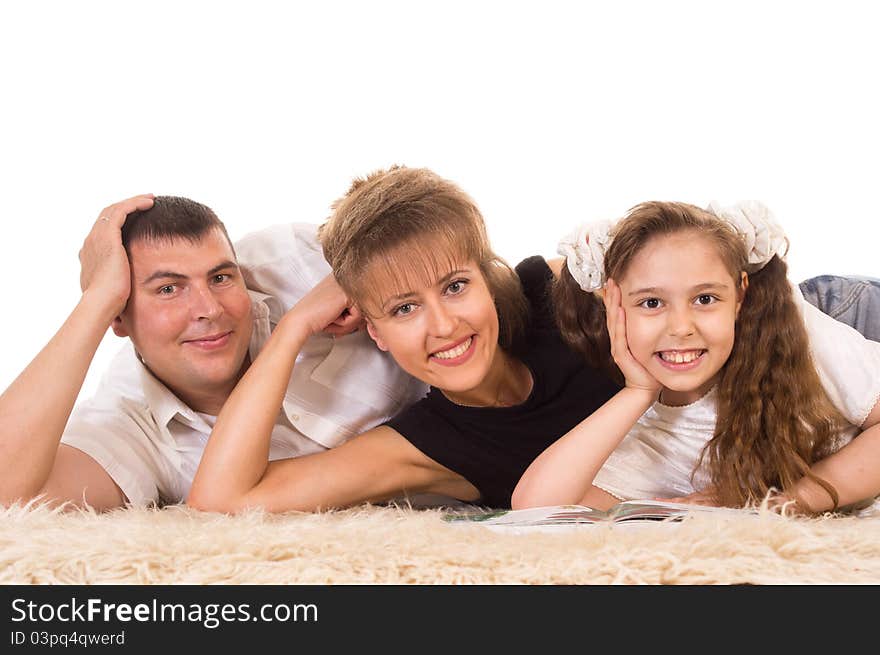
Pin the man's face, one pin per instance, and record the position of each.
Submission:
(189, 316)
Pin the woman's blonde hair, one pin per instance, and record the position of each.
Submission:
(774, 417)
(409, 225)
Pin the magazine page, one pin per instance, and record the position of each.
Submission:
(656, 510)
(554, 515)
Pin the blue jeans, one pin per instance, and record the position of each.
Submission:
(851, 300)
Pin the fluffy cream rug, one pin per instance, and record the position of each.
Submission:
(393, 545)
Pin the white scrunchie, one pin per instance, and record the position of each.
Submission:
(754, 222)
(584, 252)
(584, 249)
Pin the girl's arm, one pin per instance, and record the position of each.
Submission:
(235, 473)
(854, 471)
(563, 474)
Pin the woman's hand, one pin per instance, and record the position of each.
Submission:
(637, 377)
(326, 308)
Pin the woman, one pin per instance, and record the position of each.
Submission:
(410, 254)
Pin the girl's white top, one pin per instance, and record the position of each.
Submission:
(658, 456)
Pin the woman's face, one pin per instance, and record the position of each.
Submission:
(681, 304)
(443, 331)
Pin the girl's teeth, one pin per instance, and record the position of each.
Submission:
(452, 353)
(680, 358)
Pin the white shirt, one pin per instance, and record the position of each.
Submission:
(658, 456)
(150, 442)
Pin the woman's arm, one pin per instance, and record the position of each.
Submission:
(375, 466)
(235, 473)
(564, 472)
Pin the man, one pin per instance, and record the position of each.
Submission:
(163, 272)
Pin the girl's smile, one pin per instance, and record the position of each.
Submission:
(681, 305)
(681, 360)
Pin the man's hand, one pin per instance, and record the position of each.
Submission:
(36, 406)
(104, 264)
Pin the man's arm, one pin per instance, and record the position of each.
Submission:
(36, 406)
(77, 478)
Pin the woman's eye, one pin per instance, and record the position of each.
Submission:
(403, 309)
(456, 287)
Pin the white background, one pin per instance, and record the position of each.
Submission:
(548, 113)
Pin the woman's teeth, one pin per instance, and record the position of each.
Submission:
(452, 353)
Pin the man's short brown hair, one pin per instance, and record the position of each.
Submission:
(171, 218)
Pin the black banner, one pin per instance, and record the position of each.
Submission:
(134, 618)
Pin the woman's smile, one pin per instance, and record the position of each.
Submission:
(456, 354)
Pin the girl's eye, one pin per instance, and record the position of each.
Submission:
(705, 299)
(650, 303)
(403, 310)
(456, 287)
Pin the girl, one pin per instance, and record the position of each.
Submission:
(409, 252)
(733, 384)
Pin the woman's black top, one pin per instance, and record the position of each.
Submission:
(491, 447)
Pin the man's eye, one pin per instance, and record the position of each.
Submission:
(220, 278)
(168, 289)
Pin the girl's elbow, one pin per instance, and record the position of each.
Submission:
(204, 502)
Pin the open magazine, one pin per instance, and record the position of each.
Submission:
(629, 510)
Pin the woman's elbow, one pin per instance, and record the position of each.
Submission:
(523, 497)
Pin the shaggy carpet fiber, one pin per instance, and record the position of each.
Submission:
(401, 545)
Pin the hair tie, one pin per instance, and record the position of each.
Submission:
(584, 252)
(584, 248)
(754, 222)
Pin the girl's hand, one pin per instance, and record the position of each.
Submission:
(637, 377)
(705, 497)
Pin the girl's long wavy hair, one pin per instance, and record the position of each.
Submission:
(774, 417)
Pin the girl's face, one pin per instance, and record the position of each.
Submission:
(443, 331)
(681, 305)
